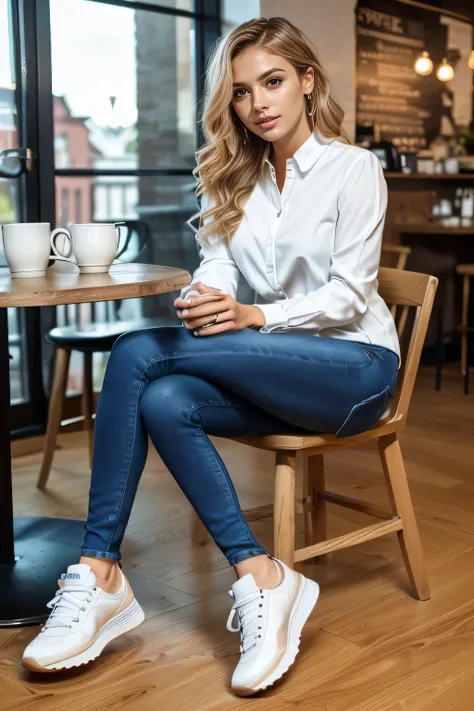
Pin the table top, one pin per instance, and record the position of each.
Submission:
(64, 285)
(435, 227)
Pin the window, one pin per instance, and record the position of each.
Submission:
(127, 108)
(78, 205)
(61, 151)
(64, 206)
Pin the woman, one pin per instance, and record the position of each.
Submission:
(299, 213)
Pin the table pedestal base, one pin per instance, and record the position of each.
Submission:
(44, 547)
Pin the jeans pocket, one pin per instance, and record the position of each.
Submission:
(365, 414)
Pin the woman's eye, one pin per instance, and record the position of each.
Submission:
(273, 82)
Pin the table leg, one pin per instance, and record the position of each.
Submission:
(6, 499)
(34, 551)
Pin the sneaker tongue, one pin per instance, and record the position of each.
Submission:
(79, 574)
(244, 586)
(69, 601)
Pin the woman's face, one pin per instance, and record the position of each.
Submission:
(267, 85)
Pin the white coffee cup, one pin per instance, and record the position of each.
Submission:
(27, 248)
(92, 247)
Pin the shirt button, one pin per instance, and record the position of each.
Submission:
(278, 213)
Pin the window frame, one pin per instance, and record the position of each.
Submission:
(32, 43)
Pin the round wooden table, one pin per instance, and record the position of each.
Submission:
(34, 551)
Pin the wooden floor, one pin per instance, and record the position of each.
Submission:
(368, 646)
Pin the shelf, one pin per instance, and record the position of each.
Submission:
(389, 175)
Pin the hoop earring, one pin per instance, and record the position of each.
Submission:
(313, 107)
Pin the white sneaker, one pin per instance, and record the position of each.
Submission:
(84, 619)
(270, 623)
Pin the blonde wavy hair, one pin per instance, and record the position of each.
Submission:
(231, 160)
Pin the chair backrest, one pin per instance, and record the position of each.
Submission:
(416, 291)
(395, 255)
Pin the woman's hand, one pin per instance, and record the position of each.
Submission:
(196, 311)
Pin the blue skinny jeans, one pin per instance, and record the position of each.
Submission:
(178, 389)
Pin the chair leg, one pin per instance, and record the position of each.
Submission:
(466, 374)
(317, 483)
(307, 500)
(58, 392)
(400, 499)
(88, 403)
(440, 350)
(284, 508)
(464, 317)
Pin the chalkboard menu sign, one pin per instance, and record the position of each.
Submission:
(402, 106)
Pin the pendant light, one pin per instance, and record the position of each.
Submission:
(445, 72)
(423, 64)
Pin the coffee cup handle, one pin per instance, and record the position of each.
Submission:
(68, 257)
(119, 252)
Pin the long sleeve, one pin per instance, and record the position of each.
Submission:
(217, 267)
(362, 204)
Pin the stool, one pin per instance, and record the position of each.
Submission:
(466, 271)
(88, 339)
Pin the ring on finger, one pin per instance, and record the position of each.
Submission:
(214, 320)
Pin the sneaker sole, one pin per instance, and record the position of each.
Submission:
(127, 620)
(307, 599)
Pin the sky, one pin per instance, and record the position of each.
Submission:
(93, 57)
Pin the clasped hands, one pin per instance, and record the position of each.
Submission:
(207, 311)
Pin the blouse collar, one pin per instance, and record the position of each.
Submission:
(309, 152)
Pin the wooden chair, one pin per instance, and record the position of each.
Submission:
(396, 255)
(300, 482)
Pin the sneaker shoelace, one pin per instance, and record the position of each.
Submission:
(247, 612)
(67, 605)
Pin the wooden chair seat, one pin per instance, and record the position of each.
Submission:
(300, 481)
(324, 442)
(465, 269)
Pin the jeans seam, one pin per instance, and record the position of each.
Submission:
(355, 407)
(179, 356)
(240, 557)
(230, 485)
(238, 510)
(149, 364)
(219, 403)
(97, 554)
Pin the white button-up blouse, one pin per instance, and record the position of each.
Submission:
(312, 252)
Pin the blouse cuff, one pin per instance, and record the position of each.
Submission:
(274, 317)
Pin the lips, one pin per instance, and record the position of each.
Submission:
(267, 122)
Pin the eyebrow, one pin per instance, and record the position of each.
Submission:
(262, 76)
